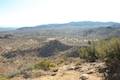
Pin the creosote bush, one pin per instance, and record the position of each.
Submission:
(113, 59)
(104, 49)
(45, 65)
(107, 50)
(3, 78)
(88, 53)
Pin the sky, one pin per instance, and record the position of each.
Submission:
(25, 13)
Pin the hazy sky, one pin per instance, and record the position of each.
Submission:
(19, 13)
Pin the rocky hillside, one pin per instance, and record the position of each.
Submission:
(46, 49)
(52, 47)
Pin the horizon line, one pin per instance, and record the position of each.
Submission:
(59, 23)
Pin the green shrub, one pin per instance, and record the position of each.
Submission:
(114, 49)
(88, 53)
(113, 59)
(45, 65)
(109, 49)
(104, 49)
(3, 77)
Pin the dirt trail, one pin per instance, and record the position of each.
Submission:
(86, 71)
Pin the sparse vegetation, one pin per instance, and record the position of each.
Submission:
(88, 53)
(104, 49)
(3, 78)
(107, 50)
(45, 65)
(43, 52)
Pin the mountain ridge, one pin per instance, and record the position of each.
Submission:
(80, 24)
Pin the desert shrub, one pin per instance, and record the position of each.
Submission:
(113, 59)
(104, 49)
(3, 77)
(45, 65)
(108, 49)
(101, 49)
(114, 49)
(12, 74)
(88, 53)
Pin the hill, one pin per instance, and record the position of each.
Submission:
(82, 24)
(46, 49)
(6, 29)
(73, 29)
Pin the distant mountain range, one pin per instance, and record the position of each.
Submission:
(82, 24)
(6, 29)
(76, 29)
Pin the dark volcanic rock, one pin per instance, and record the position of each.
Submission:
(52, 47)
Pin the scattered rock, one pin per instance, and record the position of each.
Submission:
(77, 67)
(90, 71)
(53, 74)
(55, 70)
(71, 68)
(84, 77)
